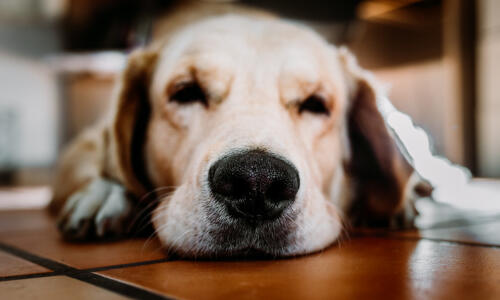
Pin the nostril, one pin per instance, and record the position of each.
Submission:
(234, 188)
(254, 183)
(279, 191)
(226, 184)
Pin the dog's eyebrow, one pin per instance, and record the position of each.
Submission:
(214, 79)
(295, 89)
(298, 77)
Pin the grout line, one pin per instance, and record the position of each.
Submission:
(96, 269)
(44, 262)
(118, 287)
(28, 276)
(87, 275)
(135, 264)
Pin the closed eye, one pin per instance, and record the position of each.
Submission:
(188, 93)
(314, 104)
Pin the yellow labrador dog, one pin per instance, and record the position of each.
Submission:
(268, 138)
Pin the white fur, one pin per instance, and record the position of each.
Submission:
(255, 71)
(102, 202)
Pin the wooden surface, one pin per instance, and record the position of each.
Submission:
(362, 268)
(458, 259)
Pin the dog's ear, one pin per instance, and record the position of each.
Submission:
(380, 172)
(129, 120)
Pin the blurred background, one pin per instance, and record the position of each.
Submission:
(59, 60)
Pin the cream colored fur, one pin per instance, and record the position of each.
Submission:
(255, 70)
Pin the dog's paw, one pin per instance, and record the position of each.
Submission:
(405, 219)
(100, 209)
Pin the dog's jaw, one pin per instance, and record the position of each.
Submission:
(190, 223)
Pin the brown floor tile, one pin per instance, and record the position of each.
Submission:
(362, 268)
(11, 265)
(16, 221)
(58, 287)
(487, 233)
(35, 232)
(49, 244)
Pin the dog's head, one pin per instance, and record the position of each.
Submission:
(266, 132)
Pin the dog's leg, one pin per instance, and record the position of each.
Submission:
(100, 209)
(416, 189)
(88, 204)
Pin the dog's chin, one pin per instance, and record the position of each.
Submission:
(248, 245)
(235, 252)
(249, 242)
(223, 255)
(209, 231)
(240, 239)
(242, 252)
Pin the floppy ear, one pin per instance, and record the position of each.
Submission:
(383, 178)
(129, 121)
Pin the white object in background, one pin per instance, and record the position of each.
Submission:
(105, 62)
(29, 96)
(25, 198)
(452, 183)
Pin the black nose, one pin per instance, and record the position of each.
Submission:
(254, 184)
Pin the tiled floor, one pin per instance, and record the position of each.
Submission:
(458, 259)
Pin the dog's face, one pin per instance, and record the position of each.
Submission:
(248, 120)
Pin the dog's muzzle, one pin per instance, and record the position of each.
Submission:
(254, 185)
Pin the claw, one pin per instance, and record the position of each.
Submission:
(99, 210)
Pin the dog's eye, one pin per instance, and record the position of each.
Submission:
(314, 104)
(188, 93)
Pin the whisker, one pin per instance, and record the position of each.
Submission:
(173, 244)
(151, 236)
(148, 240)
(336, 217)
(145, 211)
(159, 189)
(141, 219)
(147, 219)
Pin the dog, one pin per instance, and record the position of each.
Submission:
(266, 138)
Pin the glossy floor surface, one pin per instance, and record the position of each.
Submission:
(455, 257)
